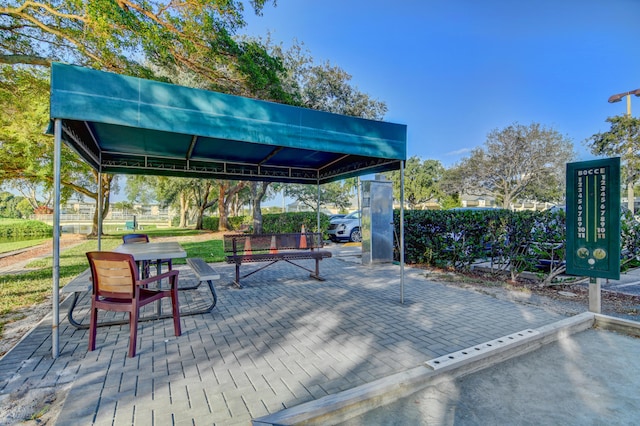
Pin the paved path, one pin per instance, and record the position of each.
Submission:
(282, 340)
(629, 283)
(19, 259)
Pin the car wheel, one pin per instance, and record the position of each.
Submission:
(356, 236)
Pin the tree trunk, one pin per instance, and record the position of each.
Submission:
(258, 191)
(202, 194)
(106, 191)
(184, 207)
(257, 217)
(223, 223)
(199, 218)
(225, 197)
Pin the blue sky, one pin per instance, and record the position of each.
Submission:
(454, 70)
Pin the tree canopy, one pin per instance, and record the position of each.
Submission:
(622, 140)
(336, 194)
(192, 43)
(127, 36)
(516, 162)
(421, 182)
(323, 87)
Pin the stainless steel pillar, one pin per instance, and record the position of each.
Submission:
(377, 221)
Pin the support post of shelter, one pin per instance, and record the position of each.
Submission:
(595, 295)
(318, 208)
(99, 211)
(55, 294)
(401, 248)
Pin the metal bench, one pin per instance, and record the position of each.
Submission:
(82, 284)
(247, 248)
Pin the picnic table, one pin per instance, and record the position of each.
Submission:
(144, 252)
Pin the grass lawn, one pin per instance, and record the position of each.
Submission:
(20, 291)
(17, 245)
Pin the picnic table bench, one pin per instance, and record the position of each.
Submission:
(82, 284)
(272, 248)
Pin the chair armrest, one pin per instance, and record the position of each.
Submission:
(168, 274)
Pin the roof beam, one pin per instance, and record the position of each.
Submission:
(270, 156)
(192, 145)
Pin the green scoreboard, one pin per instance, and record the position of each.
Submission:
(593, 218)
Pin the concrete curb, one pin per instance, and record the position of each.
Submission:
(353, 402)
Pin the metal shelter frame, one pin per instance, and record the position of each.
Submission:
(126, 125)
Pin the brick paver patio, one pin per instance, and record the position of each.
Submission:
(282, 340)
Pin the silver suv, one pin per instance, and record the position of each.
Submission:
(346, 228)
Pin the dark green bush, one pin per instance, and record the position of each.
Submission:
(629, 241)
(458, 238)
(26, 228)
(274, 223)
(283, 223)
(210, 223)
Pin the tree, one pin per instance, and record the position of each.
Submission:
(227, 190)
(32, 192)
(514, 162)
(141, 189)
(188, 195)
(124, 206)
(323, 87)
(26, 153)
(203, 192)
(9, 205)
(130, 37)
(421, 182)
(24, 208)
(241, 199)
(623, 140)
(126, 36)
(337, 194)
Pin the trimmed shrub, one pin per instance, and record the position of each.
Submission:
(284, 223)
(279, 223)
(509, 241)
(25, 229)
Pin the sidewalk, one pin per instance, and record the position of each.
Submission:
(629, 283)
(282, 340)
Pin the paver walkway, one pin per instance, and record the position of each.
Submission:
(282, 340)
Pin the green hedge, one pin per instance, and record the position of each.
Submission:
(510, 241)
(25, 229)
(292, 222)
(630, 241)
(274, 223)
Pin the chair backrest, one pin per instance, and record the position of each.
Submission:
(114, 274)
(135, 238)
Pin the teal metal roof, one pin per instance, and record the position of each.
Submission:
(128, 125)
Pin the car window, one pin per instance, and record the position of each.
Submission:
(353, 215)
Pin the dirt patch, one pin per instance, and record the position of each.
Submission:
(45, 249)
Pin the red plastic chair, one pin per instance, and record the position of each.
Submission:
(116, 287)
